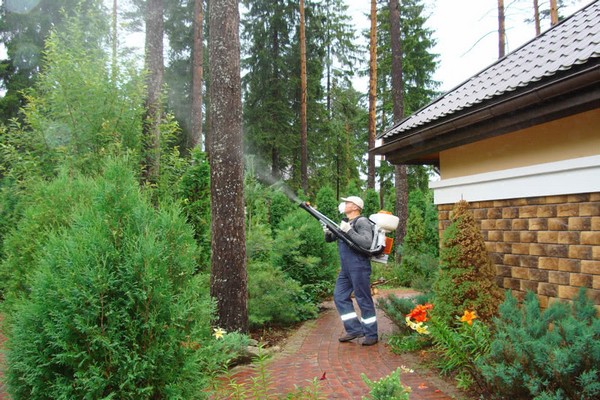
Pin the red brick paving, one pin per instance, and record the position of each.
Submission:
(315, 350)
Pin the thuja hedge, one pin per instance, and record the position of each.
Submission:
(115, 309)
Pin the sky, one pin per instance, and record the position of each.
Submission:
(466, 32)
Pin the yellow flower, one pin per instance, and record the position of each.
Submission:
(468, 317)
(219, 333)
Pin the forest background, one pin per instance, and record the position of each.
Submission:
(117, 182)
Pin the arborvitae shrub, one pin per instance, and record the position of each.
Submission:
(48, 208)
(466, 279)
(372, 204)
(327, 204)
(550, 354)
(116, 309)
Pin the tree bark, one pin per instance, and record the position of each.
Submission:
(501, 30)
(195, 139)
(536, 17)
(228, 262)
(553, 13)
(303, 124)
(372, 94)
(153, 109)
(400, 173)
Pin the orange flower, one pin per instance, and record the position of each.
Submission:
(468, 317)
(419, 313)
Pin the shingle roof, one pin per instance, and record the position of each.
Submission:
(575, 40)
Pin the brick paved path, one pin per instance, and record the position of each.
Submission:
(314, 350)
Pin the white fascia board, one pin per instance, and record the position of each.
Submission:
(579, 175)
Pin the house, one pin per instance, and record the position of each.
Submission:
(520, 141)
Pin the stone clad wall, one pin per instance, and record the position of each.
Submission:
(549, 245)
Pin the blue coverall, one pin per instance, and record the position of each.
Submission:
(355, 275)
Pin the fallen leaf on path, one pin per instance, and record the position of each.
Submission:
(422, 386)
(323, 377)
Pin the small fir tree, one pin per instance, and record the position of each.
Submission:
(466, 279)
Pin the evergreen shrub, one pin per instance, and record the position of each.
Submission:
(301, 252)
(116, 309)
(327, 204)
(549, 354)
(466, 279)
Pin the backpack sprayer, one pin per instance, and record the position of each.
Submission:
(381, 223)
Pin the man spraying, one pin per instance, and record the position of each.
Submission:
(355, 275)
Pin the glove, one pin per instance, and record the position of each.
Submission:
(326, 229)
(345, 226)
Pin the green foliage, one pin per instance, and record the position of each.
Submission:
(387, 388)
(550, 354)
(459, 348)
(371, 200)
(48, 209)
(115, 308)
(301, 252)
(466, 280)
(274, 298)
(194, 195)
(419, 263)
(327, 204)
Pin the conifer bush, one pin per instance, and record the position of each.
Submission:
(466, 279)
(549, 354)
(116, 309)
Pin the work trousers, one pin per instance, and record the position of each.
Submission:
(355, 276)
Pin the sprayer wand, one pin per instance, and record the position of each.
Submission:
(335, 229)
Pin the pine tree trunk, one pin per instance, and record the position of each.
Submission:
(536, 17)
(501, 30)
(400, 173)
(303, 124)
(228, 283)
(553, 13)
(153, 108)
(195, 139)
(115, 38)
(372, 94)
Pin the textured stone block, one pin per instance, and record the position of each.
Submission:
(590, 267)
(500, 203)
(510, 283)
(595, 224)
(536, 200)
(578, 198)
(511, 259)
(567, 292)
(595, 196)
(589, 209)
(557, 250)
(547, 237)
(528, 212)
(568, 237)
(581, 252)
(520, 248)
(519, 224)
(510, 212)
(548, 289)
(596, 282)
(546, 211)
(502, 247)
(528, 261)
(548, 263)
(559, 277)
(503, 224)
(528, 237)
(513, 237)
(538, 224)
(480, 213)
(495, 236)
(490, 247)
(529, 285)
(488, 224)
(496, 257)
(569, 265)
(596, 253)
(494, 213)
(567, 210)
(536, 249)
(581, 280)
(543, 300)
(557, 199)
(580, 223)
(538, 275)
(592, 238)
(520, 273)
(558, 224)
